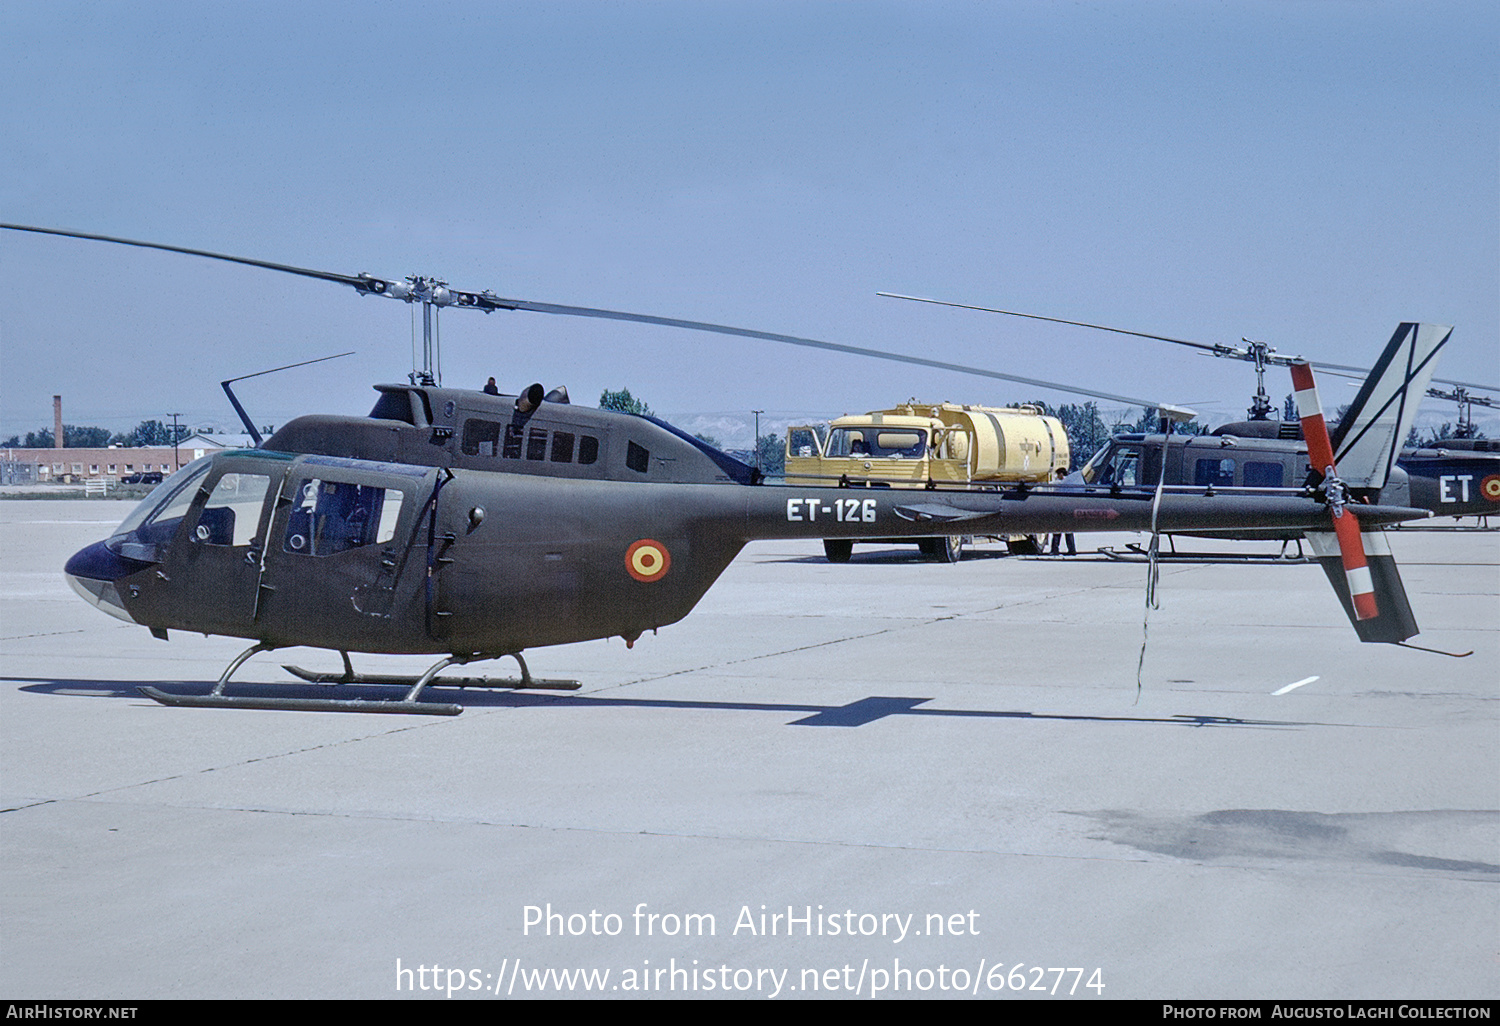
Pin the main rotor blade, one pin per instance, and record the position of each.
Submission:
(363, 283)
(1054, 320)
(836, 347)
(488, 302)
(1218, 350)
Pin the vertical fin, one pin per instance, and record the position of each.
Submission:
(1369, 437)
(1395, 622)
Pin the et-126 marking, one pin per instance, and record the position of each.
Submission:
(844, 511)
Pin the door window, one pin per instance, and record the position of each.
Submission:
(329, 517)
(232, 512)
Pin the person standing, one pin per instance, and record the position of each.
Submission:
(1057, 538)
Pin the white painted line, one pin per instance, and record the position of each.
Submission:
(1290, 687)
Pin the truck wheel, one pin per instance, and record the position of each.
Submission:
(1025, 545)
(837, 550)
(951, 548)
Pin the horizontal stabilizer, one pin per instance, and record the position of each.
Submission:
(1395, 622)
(936, 512)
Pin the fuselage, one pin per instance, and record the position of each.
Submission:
(482, 529)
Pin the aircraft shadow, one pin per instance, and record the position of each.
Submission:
(892, 557)
(853, 714)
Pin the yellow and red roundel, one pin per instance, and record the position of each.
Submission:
(1490, 487)
(647, 560)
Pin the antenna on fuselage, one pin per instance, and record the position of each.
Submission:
(245, 417)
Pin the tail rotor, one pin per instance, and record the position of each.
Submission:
(1345, 523)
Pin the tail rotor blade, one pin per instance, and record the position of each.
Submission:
(1345, 524)
(1310, 410)
(1356, 566)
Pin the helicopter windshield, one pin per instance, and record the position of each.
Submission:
(160, 512)
(1114, 464)
(879, 442)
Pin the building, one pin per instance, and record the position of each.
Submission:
(41, 466)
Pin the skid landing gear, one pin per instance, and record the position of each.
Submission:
(216, 699)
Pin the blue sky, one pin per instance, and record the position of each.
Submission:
(1308, 174)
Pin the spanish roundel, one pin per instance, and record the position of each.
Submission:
(1490, 487)
(647, 560)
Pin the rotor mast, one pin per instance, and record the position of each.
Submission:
(433, 295)
(1466, 401)
(1261, 355)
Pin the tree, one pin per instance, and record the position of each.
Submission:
(154, 432)
(772, 454)
(623, 402)
(85, 437)
(1086, 430)
(1149, 423)
(1436, 435)
(147, 432)
(36, 440)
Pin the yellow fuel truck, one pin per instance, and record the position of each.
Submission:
(917, 444)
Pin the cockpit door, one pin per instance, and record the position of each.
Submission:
(210, 571)
(345, 553)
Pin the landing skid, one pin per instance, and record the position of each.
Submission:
(217, 699)
(1137, 554)
(1481, 523)
(526, 681)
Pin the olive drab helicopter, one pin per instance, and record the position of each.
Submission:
(472, 526)
(1457, 476)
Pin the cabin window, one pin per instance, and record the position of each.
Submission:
(588, 449)
(1263, 475)
(512, 449)
(536, 444)
(1219, 473)
(638, 458)
(329, 517)
(481, 437)
(232, 512)
(562, 447)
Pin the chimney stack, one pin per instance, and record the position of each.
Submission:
(57, 428)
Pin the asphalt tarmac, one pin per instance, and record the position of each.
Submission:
(882, 779)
